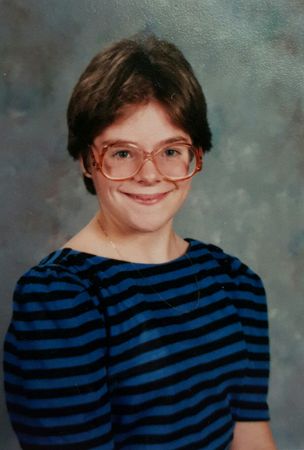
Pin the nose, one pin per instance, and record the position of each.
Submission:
(148, 173)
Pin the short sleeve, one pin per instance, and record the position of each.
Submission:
(54, 363)
(249, 400)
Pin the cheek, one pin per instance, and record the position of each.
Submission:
(184, 187)
(102, 184)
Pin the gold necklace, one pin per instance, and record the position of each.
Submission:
(115, 248)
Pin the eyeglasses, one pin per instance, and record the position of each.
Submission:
(122, 160)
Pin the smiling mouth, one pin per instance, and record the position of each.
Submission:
(147, 198)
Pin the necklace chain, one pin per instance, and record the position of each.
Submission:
(115, 248)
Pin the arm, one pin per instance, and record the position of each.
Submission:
(55, 375)
(250, 409)
(252, 436)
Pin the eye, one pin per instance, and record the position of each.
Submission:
(171, 152)
(121, 154)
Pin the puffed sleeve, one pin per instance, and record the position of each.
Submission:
(249, 399)
(54, 363)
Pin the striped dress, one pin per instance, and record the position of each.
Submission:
(106, 354)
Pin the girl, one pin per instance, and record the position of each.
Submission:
(130, 336)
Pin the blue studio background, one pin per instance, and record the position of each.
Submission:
(248, 56)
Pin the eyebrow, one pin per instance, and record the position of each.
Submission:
(162, 142)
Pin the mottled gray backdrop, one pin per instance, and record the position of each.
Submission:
(248, 55)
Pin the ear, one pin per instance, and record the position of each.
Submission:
(201, 157)
(84, 170)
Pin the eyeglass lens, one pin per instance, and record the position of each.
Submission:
(175, 161)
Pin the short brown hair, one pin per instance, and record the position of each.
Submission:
(134, 71)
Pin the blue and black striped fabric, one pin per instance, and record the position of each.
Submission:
(105, 354)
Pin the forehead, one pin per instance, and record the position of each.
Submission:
(146, 124)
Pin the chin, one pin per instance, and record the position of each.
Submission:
(149, 226)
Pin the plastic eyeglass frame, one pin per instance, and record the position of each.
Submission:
(147, 157)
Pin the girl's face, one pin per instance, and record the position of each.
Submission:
(146, 202)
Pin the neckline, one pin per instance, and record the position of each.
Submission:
(71, 251)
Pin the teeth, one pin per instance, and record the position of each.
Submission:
(147, 197)
(139, 197)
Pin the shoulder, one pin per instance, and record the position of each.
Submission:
(241, 286)
(229, 265)
(52, 301)
(50, 269)
(58, 279)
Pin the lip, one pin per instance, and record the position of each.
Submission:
(147, 199)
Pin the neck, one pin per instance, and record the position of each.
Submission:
(154, 247)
